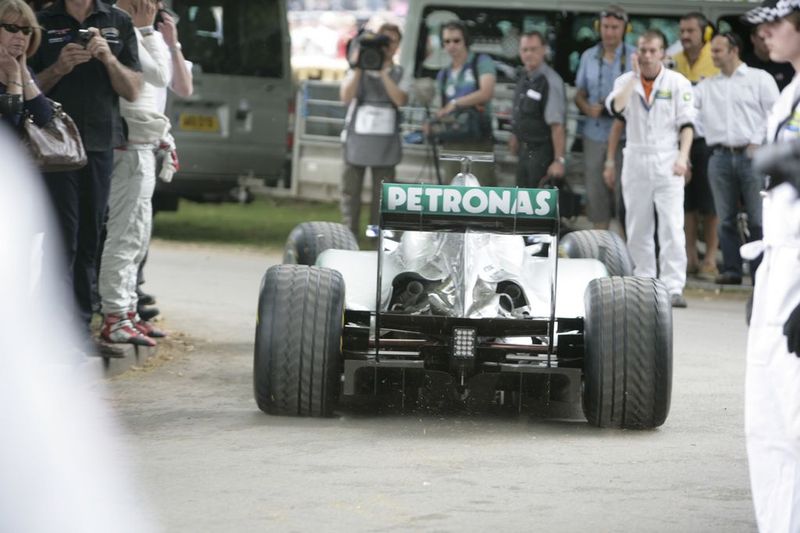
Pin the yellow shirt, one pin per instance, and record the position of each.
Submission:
(702, 68)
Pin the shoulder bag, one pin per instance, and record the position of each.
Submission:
(56, 146)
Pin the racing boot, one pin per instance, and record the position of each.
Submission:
(118, 329)
(144, 327)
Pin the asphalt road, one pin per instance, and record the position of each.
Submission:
(209, 460)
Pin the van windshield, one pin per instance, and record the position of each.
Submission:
(233, 37)
(496, 32)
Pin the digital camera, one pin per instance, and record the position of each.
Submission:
(84, 36)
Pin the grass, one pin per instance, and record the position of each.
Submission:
(263, 223)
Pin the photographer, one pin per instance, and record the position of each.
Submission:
(466, 88)
(772, 383)
(88, 59)
(373, 91)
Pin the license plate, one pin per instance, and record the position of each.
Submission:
(202, 123)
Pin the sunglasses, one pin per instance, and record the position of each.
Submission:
(616, 14)
(13, 28)
(454, 41)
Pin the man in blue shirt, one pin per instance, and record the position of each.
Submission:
(600, 65)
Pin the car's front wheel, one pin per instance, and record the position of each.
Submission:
(309, 239)
(603, 245)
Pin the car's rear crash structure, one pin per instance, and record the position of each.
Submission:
(467, 285)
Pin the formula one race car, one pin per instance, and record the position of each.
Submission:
(467, 291)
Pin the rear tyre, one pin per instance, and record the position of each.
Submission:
(309, 239)
(603, 245)
(628, 353)
(298, 363)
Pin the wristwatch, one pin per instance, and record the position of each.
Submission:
(176, 47)
(561, 159)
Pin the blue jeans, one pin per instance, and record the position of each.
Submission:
(732, 178)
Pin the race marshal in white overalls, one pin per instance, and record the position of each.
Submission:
(656, 104)
(772, 386)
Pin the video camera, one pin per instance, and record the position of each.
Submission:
(371, 48)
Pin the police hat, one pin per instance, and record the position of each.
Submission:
(771, 10)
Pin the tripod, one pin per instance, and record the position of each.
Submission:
(432, 140)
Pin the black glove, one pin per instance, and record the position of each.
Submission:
(779, 162)
(792, 331)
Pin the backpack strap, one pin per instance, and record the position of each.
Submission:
(444, 75)
(474, 66)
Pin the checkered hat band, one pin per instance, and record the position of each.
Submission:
(771, 10)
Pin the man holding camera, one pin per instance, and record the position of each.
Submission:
(88, 59)
(373, 91)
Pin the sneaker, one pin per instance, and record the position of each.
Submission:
(144, 327)
(147, 313)
(677, 300)
(728, 278)
(707, 272)
(118, 329)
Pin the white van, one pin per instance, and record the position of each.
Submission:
(494, 29)
(236, 124)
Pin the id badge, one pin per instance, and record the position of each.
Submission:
(375, 120)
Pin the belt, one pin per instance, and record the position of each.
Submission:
(729, 149)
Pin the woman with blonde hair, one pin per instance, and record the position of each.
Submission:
(20, 36)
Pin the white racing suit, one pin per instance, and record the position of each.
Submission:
(652, 130)
(133, 181)
(772, 385)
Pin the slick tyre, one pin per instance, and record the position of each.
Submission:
(309, 239)
(628, 353)
(298, 363)
(605, 246)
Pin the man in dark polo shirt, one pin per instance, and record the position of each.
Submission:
(86, 71)
(539, 115)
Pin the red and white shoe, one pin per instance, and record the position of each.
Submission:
(118, 329)
(144, 327)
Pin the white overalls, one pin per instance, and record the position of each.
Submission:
(653, 129)
(772, 385)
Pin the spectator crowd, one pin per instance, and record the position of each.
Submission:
(666, 141)
(109, 67)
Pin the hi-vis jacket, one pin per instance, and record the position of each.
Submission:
(655, 124)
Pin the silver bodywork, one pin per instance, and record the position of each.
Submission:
(359, 270)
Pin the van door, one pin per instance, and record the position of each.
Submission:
(236, 122)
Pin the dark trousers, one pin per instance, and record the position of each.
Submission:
(534, 160)
(80, 200)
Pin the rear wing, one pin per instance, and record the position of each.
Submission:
(512, 210)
